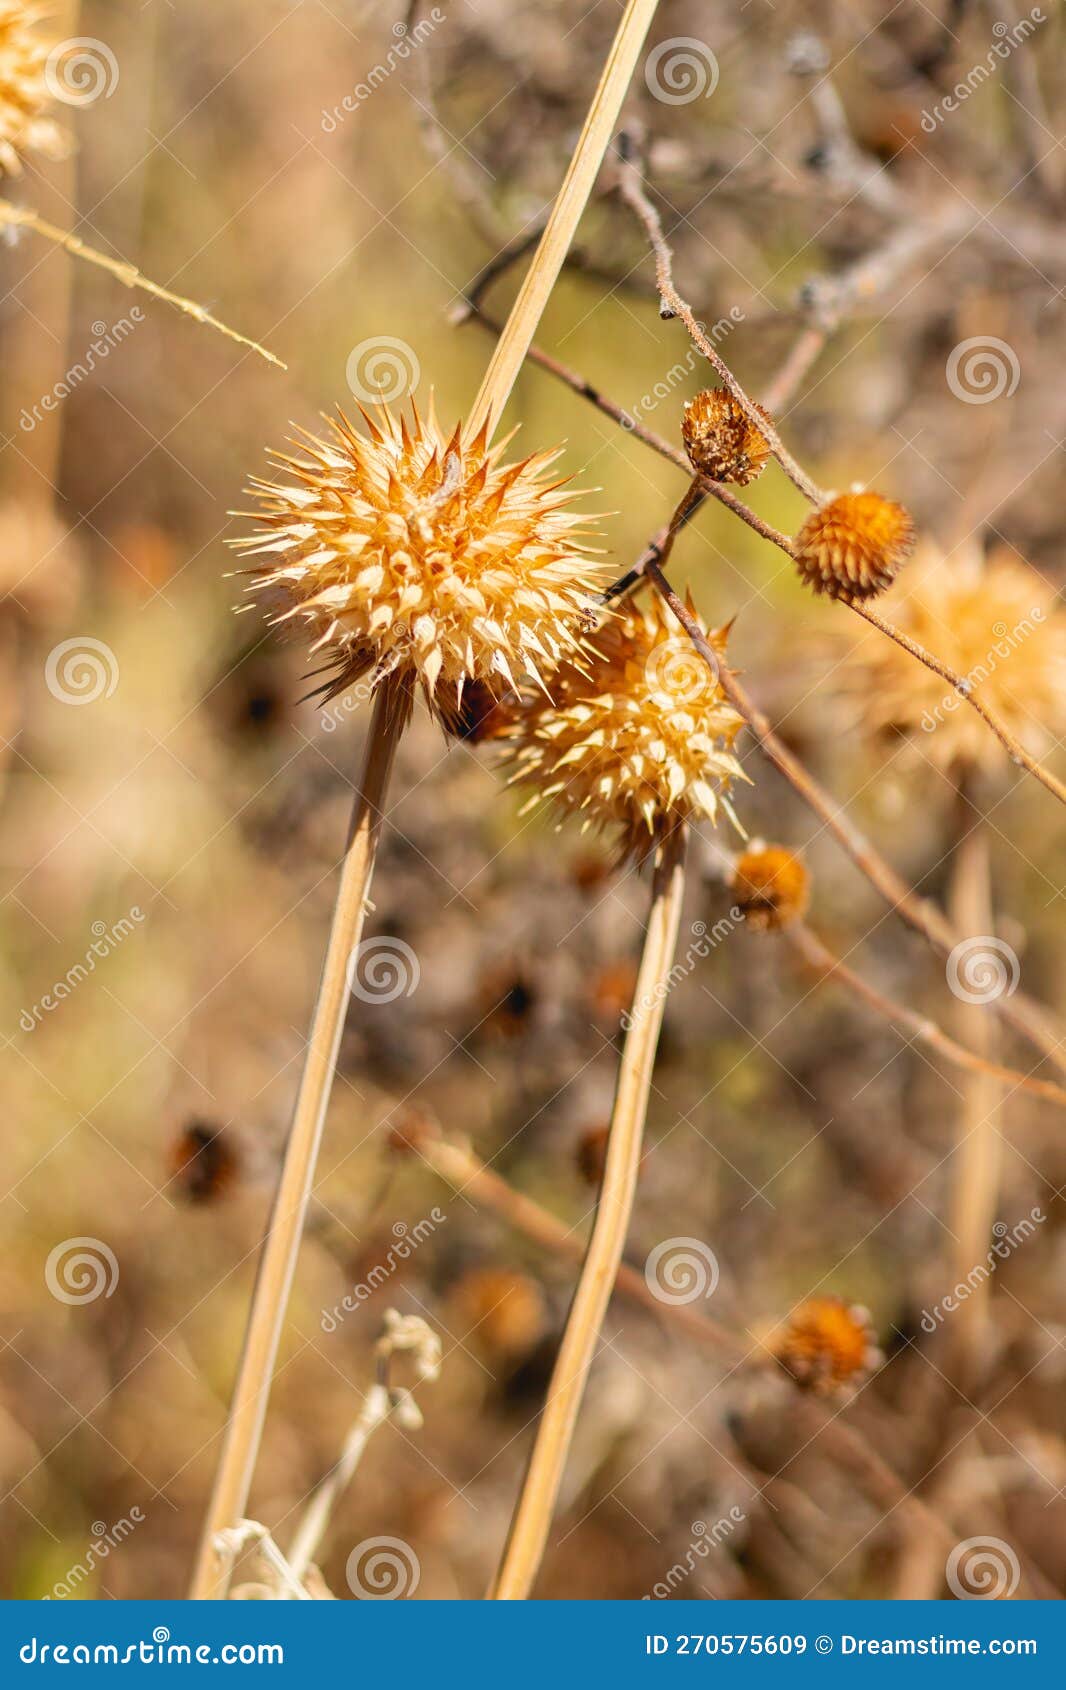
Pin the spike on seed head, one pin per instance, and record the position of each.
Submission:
(827, 1344)
(25, 126)
(721, 440)
(854, 545)
(407, 550)
(772, 887)
(638, 735)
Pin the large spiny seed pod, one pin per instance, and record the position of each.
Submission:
(827, 1345)
(638, 735)
(404, 549)
(25, 125)
(853, 546)
(771, 885)
(721, 440)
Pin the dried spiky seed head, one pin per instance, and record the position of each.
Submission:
(854, 546)
(720, 438)
(827, 1345)
(1001, 626)
(406, 550)
(638, 735)
(24, 92)
(771, 885)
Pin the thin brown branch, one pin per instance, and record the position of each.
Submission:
(819, 957)
(631, 188)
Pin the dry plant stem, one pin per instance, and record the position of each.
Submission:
(270, 1297)
(1014, 747)
(820, 958)
(1026, 1016)
(456, 1163)
(17, 216)
(536, 1502)
(632, 191)
(280, 1249)
(377, 1406)
(976, 1168)
(513, 344)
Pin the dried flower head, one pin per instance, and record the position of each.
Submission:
(639, 736)
(24, 92)
(854, 545)
(771, 885)
(504, 1309)
(721, 440)
(203, 1161)
(827, 1344)
(407, 550)
(1001, 627)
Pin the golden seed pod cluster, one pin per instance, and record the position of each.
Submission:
(827, 1345)
(721, 440)
(1000, 626)
(25, 125)
(636, 735)
(771, 886)
(854, 545)
(404, 549)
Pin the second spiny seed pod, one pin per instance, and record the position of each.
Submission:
(721, 440)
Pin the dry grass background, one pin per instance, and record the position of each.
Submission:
(807, 1142)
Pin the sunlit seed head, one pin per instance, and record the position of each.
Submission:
(1001, 627)
(771, 886)
(638, 737)
(827, 1345)
(854, 545)
(404, 549)
(25, 123)
(721, 440)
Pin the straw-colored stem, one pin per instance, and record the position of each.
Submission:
(521, 325)
(20, 216)
(925, 1031)
(377, 1406)
(540, 1488)
(281, 1246)
(976, 1166)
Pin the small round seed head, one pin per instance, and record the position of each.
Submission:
(25, 125)
(405, 550)
(637, 734)
(854, 546)
(771, 886)
(721, 440)
(827, 1344)
(204, 1162)
(503, 1309)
